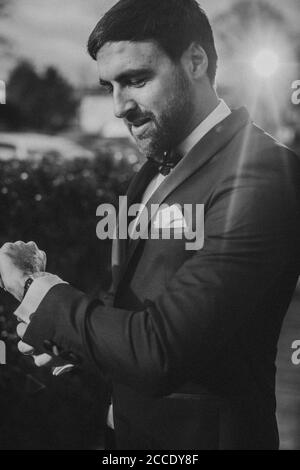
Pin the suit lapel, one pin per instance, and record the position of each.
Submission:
(206, 148)
(134, 193)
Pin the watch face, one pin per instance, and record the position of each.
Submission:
(27, 284)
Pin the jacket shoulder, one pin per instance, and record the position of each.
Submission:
(254, 150)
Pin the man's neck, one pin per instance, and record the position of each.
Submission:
(207, 104)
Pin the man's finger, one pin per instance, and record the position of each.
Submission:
(42, 360)
(44, 257)
(25, 348)
(6, 246)
(21, 329)
(33, 244)
(19, 243)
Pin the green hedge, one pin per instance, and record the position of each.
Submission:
(53, 202)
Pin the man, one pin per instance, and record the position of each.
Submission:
(189, 341)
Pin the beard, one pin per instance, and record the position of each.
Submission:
(168, 129)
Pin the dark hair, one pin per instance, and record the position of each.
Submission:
(173, 24)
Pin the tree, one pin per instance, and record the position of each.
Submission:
(242, 31)
(44, 102)
(245, 19)
(3, 12)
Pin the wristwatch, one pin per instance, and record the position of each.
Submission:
(27, 284)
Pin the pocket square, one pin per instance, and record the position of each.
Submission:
(169, 217)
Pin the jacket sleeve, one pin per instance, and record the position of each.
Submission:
(251, 238)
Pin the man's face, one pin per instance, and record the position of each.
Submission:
(151, 93)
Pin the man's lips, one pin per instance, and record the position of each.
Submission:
(138, 127)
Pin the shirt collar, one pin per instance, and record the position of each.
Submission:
(214, 118)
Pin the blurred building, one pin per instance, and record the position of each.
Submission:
(30, 145)
(96, 115)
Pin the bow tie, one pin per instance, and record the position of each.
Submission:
(169, 161)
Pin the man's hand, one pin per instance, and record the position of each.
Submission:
(40, 359)
(58, 365)
(18, 261)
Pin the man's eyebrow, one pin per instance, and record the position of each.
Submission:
(126, 75)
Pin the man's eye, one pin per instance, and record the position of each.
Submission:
(107, 89)
(138, 83)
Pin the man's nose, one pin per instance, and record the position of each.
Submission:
(123, 103)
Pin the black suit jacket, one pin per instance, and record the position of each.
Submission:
(190, 340)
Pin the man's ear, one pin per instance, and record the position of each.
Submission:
(195, 61)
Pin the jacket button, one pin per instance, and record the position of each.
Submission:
(48, 345)
(69, 356)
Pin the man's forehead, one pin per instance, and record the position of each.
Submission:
(129, 54)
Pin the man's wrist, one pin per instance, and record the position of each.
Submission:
(40, 286)
(38, 274)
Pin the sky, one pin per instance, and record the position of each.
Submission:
(55, 32)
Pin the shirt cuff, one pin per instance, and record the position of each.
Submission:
(35, 294)
(110, 417)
